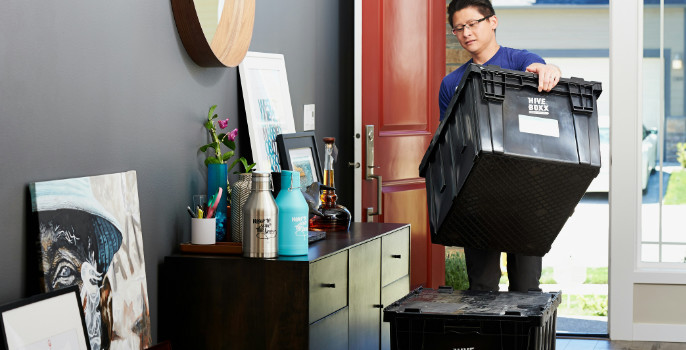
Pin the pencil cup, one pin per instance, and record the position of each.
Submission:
(203, 231)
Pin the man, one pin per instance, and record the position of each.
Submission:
(474, 23)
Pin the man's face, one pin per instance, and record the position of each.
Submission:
(477, 37)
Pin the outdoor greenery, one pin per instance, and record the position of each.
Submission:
(456, 271)
(681, 153)
(547, 276)
(583, 305)
(676, 188)
(596, 275)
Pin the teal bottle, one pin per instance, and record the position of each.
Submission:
(293, 215)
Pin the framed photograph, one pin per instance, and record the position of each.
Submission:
(267, 105)
(298, 152)
(48, 321)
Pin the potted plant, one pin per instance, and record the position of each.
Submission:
(218, 167)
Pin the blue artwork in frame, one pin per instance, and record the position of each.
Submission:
(267, 106)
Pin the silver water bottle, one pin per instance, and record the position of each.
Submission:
(260, 219)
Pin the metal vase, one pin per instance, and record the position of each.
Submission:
(240, 191)
(260, 219)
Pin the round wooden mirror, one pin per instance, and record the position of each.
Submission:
(215, 33)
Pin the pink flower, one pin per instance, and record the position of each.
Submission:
(223, 123)
(232, 135)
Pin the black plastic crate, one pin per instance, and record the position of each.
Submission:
(508, 165)
(447, 319)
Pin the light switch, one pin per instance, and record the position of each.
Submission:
(309, 118)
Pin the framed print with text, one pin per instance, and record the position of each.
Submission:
(267, 106)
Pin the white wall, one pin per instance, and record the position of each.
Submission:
(550, 28)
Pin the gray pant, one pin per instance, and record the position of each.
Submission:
(483, 270)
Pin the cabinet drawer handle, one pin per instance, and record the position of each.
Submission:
(396, 256)
(378, 306)
(329, 285)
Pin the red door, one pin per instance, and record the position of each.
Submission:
(403, 62)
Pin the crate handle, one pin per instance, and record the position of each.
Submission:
(378, 306)
(328, 285)
(396, 256)
(493, 84)
(440, 159)
(581, 97)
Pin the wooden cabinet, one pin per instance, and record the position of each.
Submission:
(330, 299)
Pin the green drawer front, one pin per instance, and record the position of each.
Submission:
(328, 285)
(331, 332)
(390, 294)
(395, 256)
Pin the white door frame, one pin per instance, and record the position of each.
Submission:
(626, 53)
(357, 139)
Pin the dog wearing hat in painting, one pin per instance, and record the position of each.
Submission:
(83, 243)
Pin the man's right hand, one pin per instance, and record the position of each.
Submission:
(548, 75)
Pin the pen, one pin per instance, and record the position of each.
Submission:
(190, 211)
(216, 198)
(200, 213)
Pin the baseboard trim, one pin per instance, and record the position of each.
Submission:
(659, 332)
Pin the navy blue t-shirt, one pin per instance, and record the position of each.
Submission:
(506, 57)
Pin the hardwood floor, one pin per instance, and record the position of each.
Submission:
(604, 344)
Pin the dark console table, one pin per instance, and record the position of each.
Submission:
(331, 299)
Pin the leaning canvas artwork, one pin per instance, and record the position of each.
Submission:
(90, 236)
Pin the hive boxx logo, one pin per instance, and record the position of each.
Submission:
(538, 105)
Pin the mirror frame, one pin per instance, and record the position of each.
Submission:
(230, 42)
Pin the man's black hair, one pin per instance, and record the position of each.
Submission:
(483, 6)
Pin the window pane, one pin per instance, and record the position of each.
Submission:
(673, 253)
(650, 252)
(664, 128)
(674, 126)
(652, 66)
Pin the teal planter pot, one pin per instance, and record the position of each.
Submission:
(217, 176)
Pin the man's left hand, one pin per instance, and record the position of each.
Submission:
(548, 75)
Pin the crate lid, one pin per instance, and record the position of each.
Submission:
(532, 307)
(496, 81)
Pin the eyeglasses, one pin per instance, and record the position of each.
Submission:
(469, 25)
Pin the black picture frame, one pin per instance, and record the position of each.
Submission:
(293, 151)
(22, 314)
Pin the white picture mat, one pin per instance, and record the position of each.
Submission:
(29, 324)
(267, 105)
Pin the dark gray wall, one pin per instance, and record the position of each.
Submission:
(95, 87)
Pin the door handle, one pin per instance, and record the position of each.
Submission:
(369, 173)
(379, 188)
